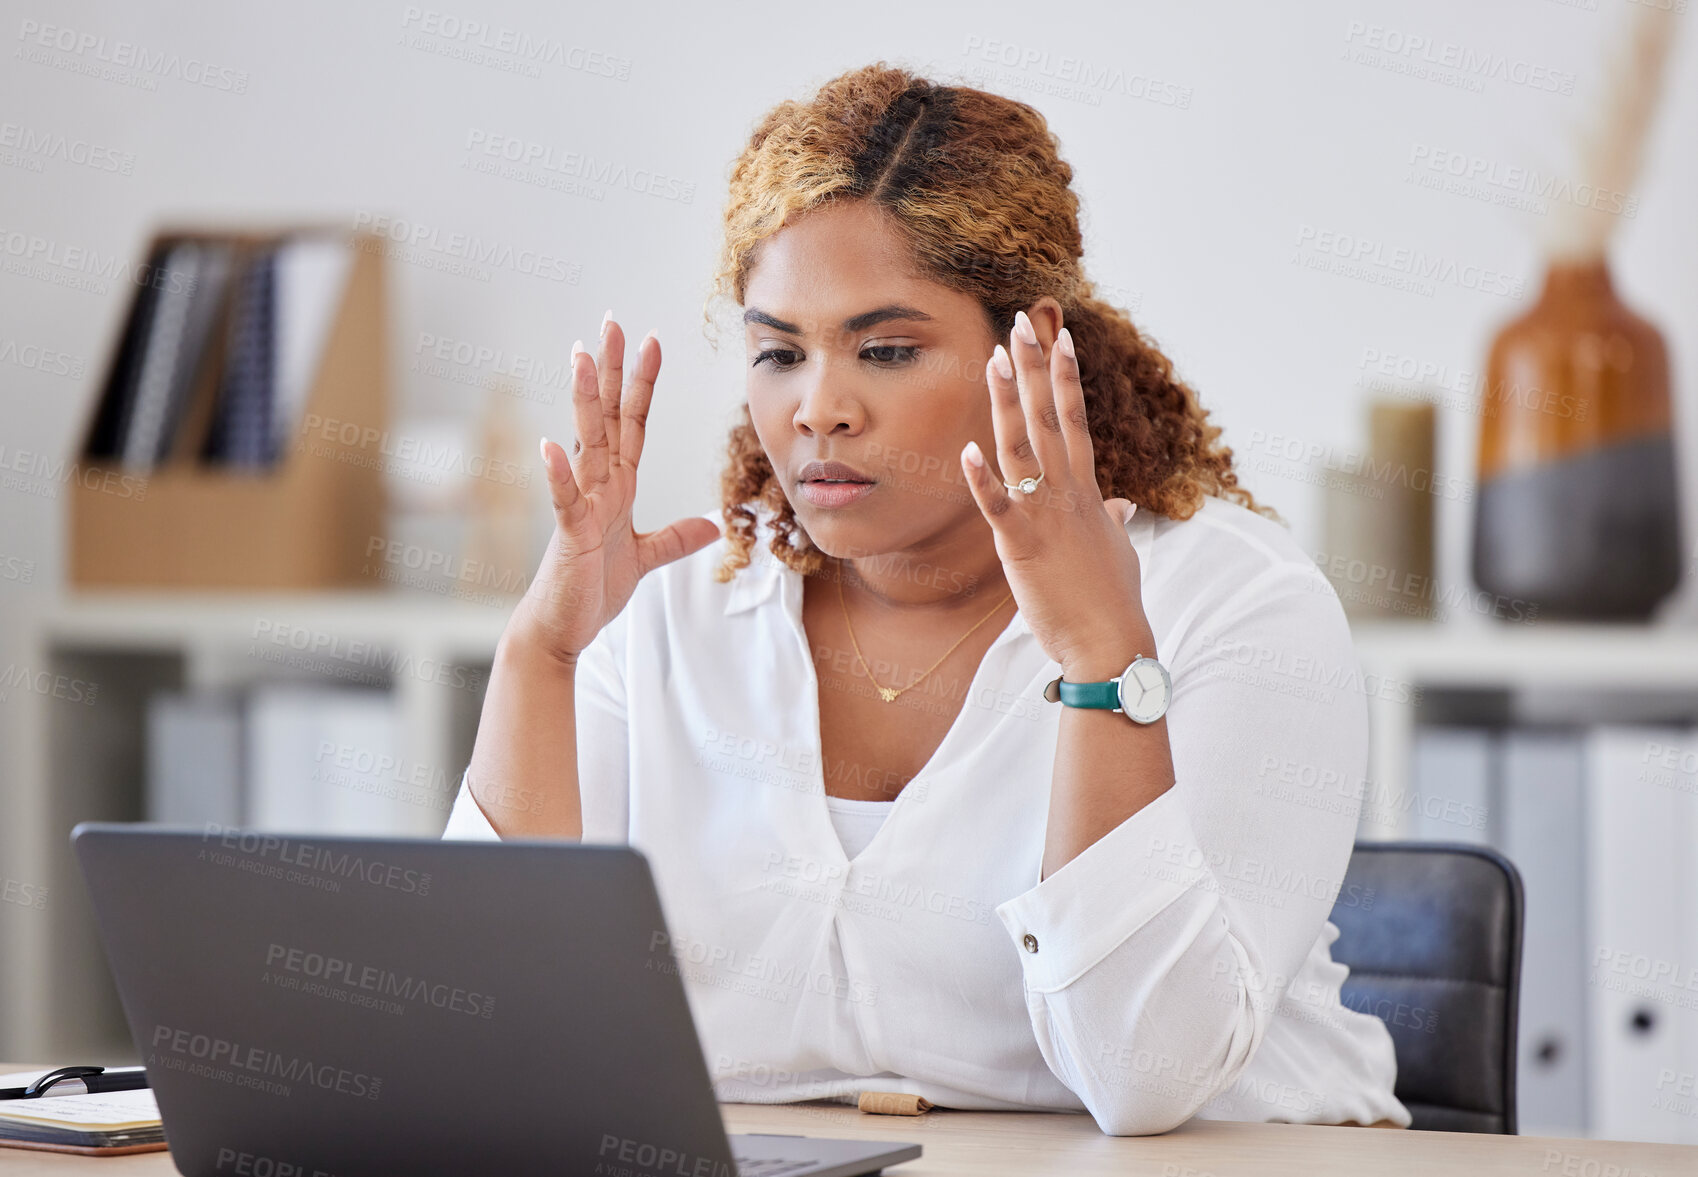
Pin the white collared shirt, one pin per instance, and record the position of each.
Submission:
(1180, 966)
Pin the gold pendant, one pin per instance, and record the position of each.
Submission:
(889, 694)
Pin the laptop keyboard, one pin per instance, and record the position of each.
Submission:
(770, 1167)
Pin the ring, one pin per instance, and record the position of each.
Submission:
(1026, 484)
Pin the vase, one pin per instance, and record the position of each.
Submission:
(1577, 514)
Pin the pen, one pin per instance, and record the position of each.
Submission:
(92, 1079)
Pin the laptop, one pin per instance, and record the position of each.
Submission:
(338, 1006)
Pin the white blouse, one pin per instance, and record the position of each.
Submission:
(1180, 966)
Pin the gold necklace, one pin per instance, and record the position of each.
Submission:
(889, 694)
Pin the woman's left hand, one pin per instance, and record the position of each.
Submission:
(1065, 551)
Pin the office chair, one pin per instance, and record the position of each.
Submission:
(1432, 934)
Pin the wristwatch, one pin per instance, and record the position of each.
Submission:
(1141, 692)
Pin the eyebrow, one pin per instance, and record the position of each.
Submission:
(857, 323)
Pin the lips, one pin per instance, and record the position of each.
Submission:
(817, 471)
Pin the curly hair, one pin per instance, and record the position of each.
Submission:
(976, 186)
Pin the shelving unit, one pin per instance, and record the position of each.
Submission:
(76, 761)
(1517, 674)
(73, 761)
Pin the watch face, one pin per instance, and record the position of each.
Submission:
(1144, 690)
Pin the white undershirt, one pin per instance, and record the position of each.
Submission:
(856, 821)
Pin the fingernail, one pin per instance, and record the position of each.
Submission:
(1004, 365)
(1065, 339)
(577, 346)
(974, 457)
(544, 449)
(1023, 327)
(605, 320)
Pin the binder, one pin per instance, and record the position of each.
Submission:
(1453, 792)
(175, 347)
(1641, 824)
(326, 760)
(1542, 798)
(112, 416)
(194, 758)
(312, 272)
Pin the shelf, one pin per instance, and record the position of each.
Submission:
(1633, 656)
(138, 620)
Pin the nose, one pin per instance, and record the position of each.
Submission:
(827, 405)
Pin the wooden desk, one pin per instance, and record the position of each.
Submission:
(1032, 1144)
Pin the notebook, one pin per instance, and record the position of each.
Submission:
(107, 1123)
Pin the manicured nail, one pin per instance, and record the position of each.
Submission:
(605, 320)
(1065, 339)
(577, 346)
(544, 448)
(974, 457)
(1023, 327)
(1004, 365)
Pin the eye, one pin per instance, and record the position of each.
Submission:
(781, 358)
(890, 353)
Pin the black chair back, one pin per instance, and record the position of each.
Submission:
(1432, 936)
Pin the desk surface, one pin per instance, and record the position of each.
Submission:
(1030, 1144)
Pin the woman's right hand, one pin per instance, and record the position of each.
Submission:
(595, 557)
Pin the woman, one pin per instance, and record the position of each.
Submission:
(889, 861)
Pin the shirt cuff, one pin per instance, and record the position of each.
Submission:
(1084, 911)
(466, 821)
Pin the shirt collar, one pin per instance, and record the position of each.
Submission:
(753, 585)
(766, 573)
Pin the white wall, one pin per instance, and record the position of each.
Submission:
(1194, 213)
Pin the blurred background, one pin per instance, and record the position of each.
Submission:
(286, 299)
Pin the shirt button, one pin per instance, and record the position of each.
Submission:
(1030, 941)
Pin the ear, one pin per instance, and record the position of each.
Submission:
(1046, 321)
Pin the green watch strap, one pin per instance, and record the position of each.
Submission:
(1105, 695)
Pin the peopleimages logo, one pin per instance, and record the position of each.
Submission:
(657, 1160)
(248, 1164)
(1087, 76)
(476, 38)
(332, 864)
(32, 255)
(1466, 63)
(128, 55)
(464, 248)
(575, 165)
(1522, 181)
(384, 983)
(259, 1067)
(1406, 261)
(437, 458)
(37, 144)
